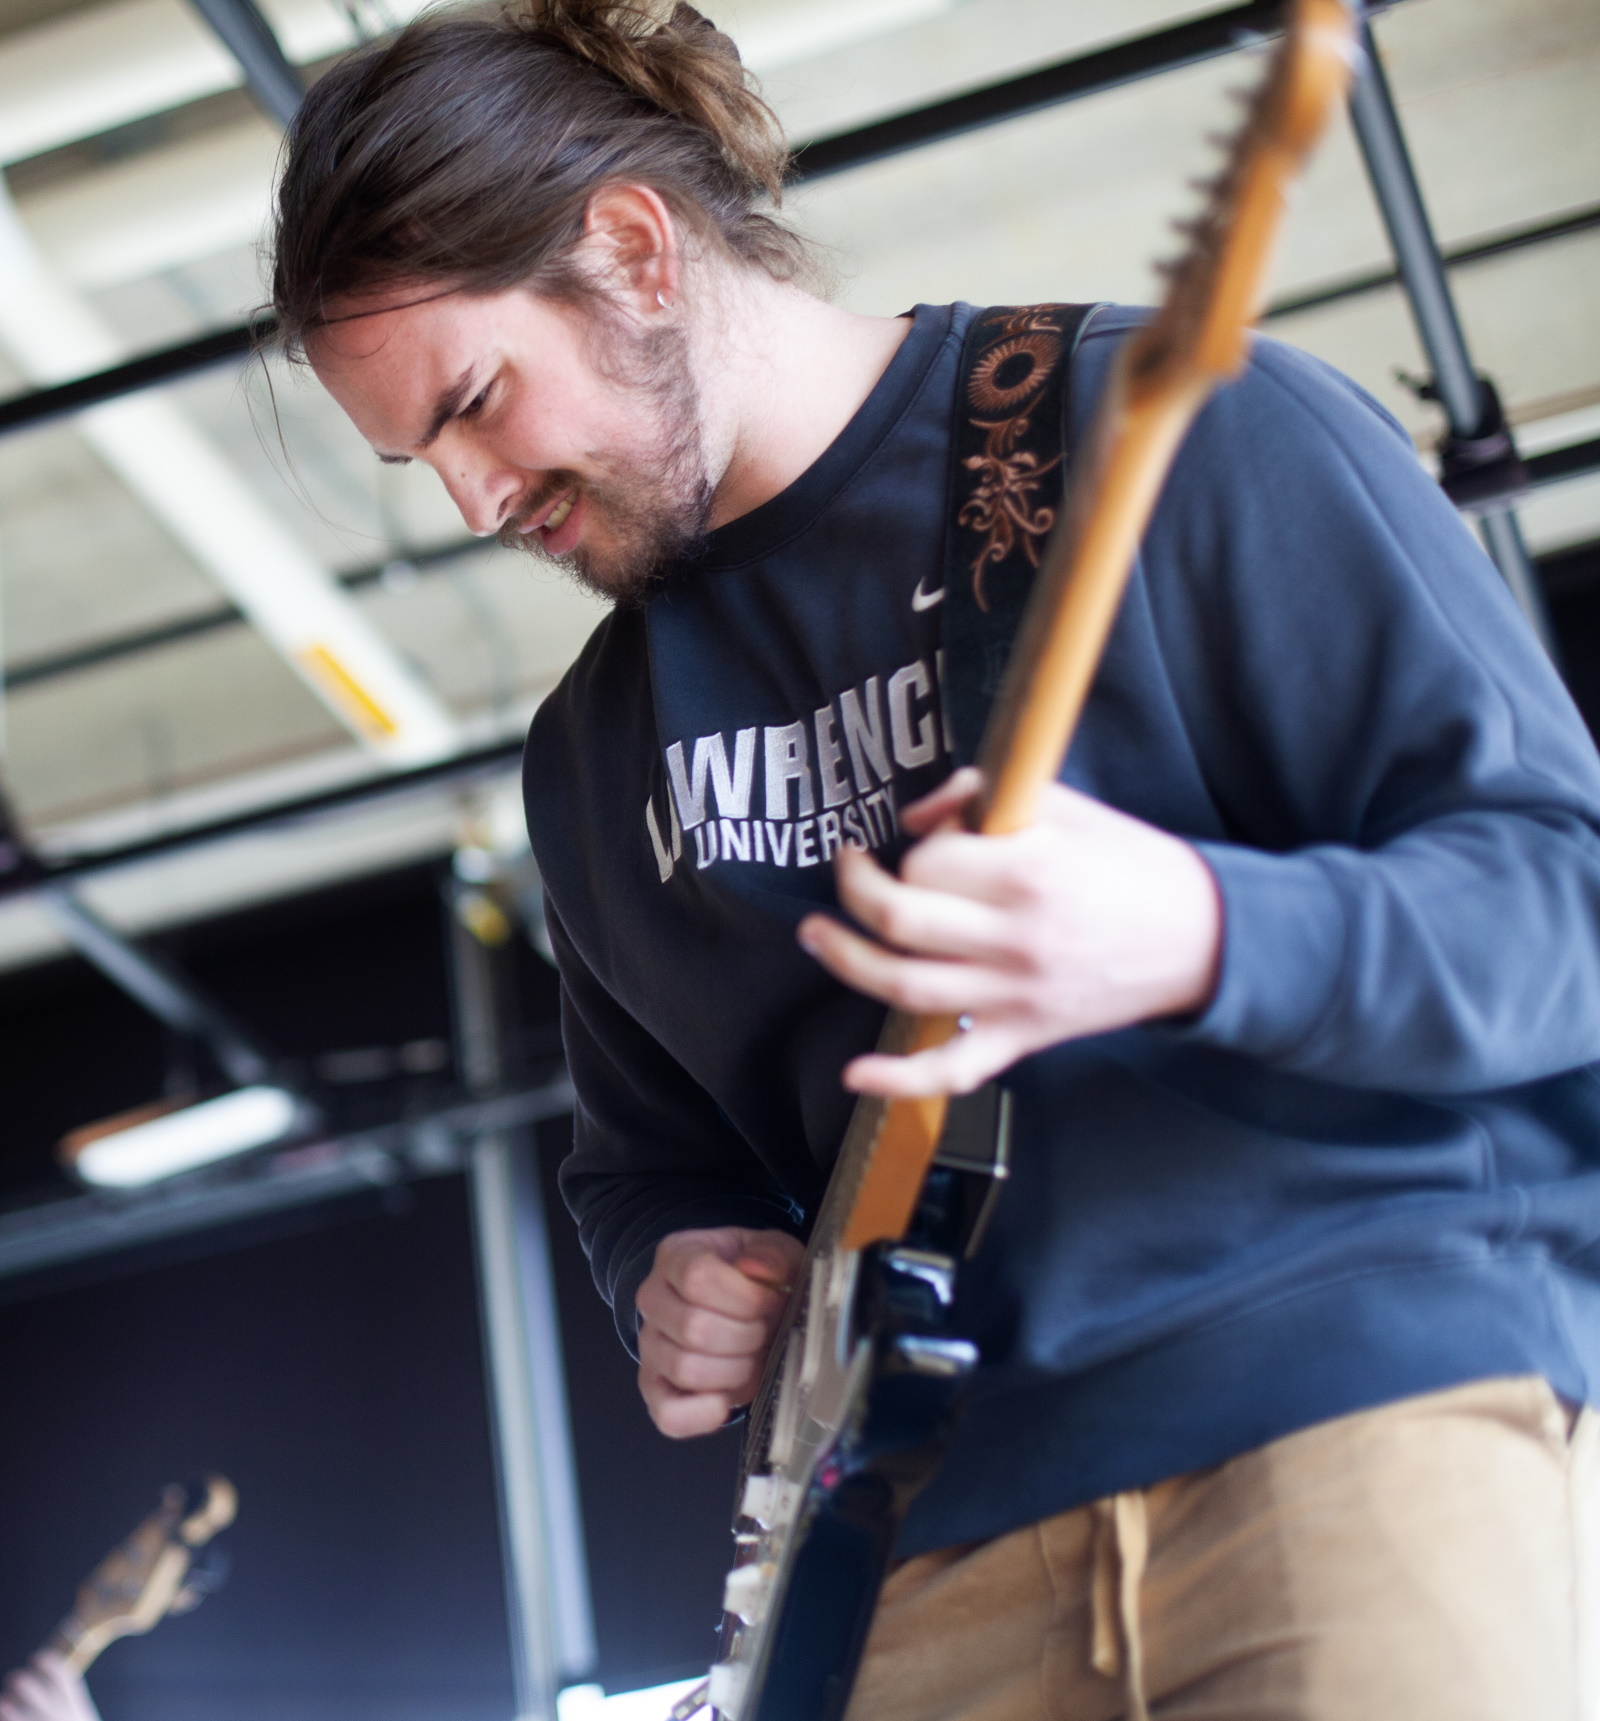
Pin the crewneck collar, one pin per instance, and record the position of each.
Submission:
(785, 515)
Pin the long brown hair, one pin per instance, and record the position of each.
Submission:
(462, 154)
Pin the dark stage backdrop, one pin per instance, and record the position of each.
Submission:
(329, 1360)
(335, 1377)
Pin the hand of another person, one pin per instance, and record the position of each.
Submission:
(46, 1690)
(1087, 921)
(707, 1314)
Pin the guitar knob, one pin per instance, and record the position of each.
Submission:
(727, 1688)
(769, 1500)
(746, 1590)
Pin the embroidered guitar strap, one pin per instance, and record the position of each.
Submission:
(1008, 466)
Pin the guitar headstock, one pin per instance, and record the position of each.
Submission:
(1217, 285)
(151, 1574)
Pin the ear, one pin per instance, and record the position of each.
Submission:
(631, 243)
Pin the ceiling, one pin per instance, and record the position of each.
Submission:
(151, 681)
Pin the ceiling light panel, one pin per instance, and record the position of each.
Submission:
(202, 501)
(150, 730)
(159, 210)
(181, 1141)
(96, 69)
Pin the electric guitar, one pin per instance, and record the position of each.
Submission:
(866, 1369)
(159, 1570)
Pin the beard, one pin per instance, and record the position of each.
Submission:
(653, 508)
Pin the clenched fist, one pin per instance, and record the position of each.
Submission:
(707, 1314)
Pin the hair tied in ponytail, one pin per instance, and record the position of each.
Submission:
(463, 152)
(684, 17)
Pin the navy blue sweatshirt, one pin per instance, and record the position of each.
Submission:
(1369, 1169)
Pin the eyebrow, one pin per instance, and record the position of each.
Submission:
(445, 408)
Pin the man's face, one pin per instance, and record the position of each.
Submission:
(565, 430)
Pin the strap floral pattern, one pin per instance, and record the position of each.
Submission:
(1018, 354)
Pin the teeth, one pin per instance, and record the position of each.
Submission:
(557, 516)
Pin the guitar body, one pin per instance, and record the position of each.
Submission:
(893, 1435)
(848, 1429)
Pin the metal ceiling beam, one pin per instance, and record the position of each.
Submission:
(223, 523)
(1556, 466)
(1012, 98)
(1380, 280)
(272, 78)
(460, 769)
(56, 1233)
(30, 672)
(1168, 50)
(161, 987)
(93, 69)
(146, 975)
(42, 406)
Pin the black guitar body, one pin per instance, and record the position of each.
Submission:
(865, 1484)
(853, 1427)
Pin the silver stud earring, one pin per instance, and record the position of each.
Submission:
(661, 300)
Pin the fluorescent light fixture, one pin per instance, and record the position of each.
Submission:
(78, 75)
(590, 1703)
(146, 1148)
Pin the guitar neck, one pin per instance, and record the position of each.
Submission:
(75, 1643)
(1069, 617)
(1160, 379)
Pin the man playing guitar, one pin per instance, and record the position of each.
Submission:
(1289, 1313)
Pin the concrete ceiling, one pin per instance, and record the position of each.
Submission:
(152, 219)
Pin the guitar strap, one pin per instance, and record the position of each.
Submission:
(1009, 460)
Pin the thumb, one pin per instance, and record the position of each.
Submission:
(766, 1262)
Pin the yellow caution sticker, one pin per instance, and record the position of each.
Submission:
(346, 694)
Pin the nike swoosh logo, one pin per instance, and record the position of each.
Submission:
(921, 600)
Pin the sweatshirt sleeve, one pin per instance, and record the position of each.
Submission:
(652, 1151)
(1410, 866)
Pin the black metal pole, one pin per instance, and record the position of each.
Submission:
(1480, 468)
(273, 79)
(546, 1572)
(160, 986)
(147, 976)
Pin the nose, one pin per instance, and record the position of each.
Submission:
(485, 495)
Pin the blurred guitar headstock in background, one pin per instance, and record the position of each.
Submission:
(168, 1565)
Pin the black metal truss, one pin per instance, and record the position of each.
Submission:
(1122, 63)
(31, 671)
(42, 406)
(1109, 68)
(459, 771)
(272, 78)
(1168, 50)
(1458, 256)
(230, 346)
(1578, 461)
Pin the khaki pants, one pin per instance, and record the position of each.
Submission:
(1427, 1561)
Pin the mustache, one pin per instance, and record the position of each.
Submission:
(511, 535)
